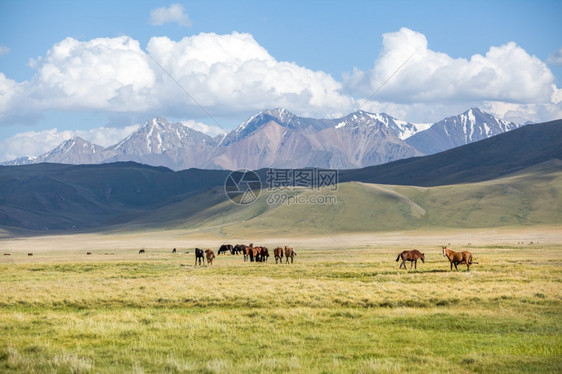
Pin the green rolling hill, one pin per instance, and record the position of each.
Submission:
(532, 197)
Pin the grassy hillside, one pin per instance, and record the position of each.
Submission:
(529, 198)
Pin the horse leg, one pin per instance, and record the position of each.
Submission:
(416, 265)
(451, 265)
(456, 268)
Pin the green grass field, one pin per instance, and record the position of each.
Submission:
(335, 310)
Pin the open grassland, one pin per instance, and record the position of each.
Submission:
(343, 306)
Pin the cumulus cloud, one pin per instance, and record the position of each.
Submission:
(556, 58)
(505, 73)
(227, 74)
(36, 143)
(173, 13)
(4, 50)
(101, 74)
(432, 84)
(233, 72)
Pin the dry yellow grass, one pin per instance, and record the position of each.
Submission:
(343, 306)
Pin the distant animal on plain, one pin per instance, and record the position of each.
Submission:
(255, 254)
(413, 256)
(237, 249)
(30, 254)
(289, 253)
(7, 254)
(246, 251)
(174, 250)
(210, 255)
(264, 254)
(88, 253)
(199, 255)
(141, 251)
(225, 248)
(458, 258)
(278, 253)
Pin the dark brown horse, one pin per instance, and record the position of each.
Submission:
(199, 255)
(413, 256)
(456, 258)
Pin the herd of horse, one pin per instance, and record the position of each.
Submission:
(250, 252)
(261, 254)
(455, 258)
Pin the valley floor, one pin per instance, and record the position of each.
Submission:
(343, 306)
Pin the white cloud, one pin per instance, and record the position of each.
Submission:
(205, 129)
(173, 13)
(35, 143)
(227, 74)
(432, 84)
(234, 73)
(4, 50)
(556, 58)
(505, 73)
(102, 74)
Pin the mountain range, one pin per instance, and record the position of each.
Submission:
(514, 178)
(278, 138)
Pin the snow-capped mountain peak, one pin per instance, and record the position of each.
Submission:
(402, 128)
(470, 126)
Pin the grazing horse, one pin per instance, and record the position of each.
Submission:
(174, 250)
(225, 248)
(238, 248)
(141, 251)
(278, 252)
(290, 253)
(210, 255)
(456, 258)
(199, 255)
(413, 256)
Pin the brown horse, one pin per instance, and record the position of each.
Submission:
(278, 252)
(456, 258)
(210, 255)
(290, 253)
(413, 256)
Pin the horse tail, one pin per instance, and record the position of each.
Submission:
(470, 259)
(398, 258)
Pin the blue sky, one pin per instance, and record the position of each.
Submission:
(91, 68)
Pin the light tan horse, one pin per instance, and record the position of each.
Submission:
(456, 258)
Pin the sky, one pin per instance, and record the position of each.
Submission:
(100, 69)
